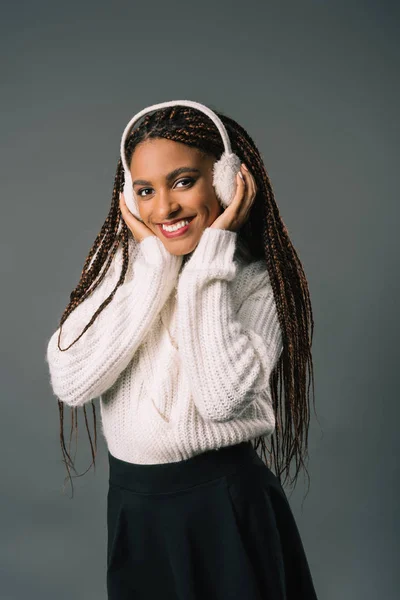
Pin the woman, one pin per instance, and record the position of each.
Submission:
(184, 319)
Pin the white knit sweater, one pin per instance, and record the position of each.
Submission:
(182, 355)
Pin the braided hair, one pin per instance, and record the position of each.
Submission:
(266, 237)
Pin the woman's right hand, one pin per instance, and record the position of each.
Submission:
(138, 229)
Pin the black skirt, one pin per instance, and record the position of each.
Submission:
(217, 526)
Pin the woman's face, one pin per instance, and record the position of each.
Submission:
(163, 194)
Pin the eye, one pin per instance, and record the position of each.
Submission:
(139, 193)
(189, 179)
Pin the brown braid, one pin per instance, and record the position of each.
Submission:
(266, 237)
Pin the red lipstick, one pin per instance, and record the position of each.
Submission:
(179, 232)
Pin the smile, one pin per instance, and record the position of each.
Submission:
(177, 229)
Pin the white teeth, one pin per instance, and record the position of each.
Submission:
(175, 226)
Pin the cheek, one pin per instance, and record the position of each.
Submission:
(203, 197)
(145, 211)
(142, 211)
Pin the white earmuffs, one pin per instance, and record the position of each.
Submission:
(224, 171)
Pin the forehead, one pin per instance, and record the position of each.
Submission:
(157, 157)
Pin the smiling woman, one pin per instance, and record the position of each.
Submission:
(187, 320)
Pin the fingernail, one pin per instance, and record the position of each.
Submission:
(240, 175)
(244, 167)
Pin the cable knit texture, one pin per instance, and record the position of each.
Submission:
(181, 357)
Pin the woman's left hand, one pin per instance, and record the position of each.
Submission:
(234, 215)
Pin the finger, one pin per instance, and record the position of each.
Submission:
(249, 188)
(127, 216)
(126, 213)
(121, 201)
(240, 203)
(253, 181)
(253, 189)
(240, 192)
(250, 181)
(122, 205)
(249, 196)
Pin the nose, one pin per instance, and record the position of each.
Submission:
(166, 206)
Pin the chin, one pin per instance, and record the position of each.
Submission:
(185, 249)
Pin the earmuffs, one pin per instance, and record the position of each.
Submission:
(224, 170)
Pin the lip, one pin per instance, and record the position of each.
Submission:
(179, 232)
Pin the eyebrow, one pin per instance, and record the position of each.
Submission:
(170, 175)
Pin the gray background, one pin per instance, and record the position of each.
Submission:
(316, 86)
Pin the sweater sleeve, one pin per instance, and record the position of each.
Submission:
(92, 365)
(228, 353)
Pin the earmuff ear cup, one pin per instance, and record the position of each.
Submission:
(224, 177)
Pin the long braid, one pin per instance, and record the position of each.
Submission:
(266, 237)
(292, 296)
